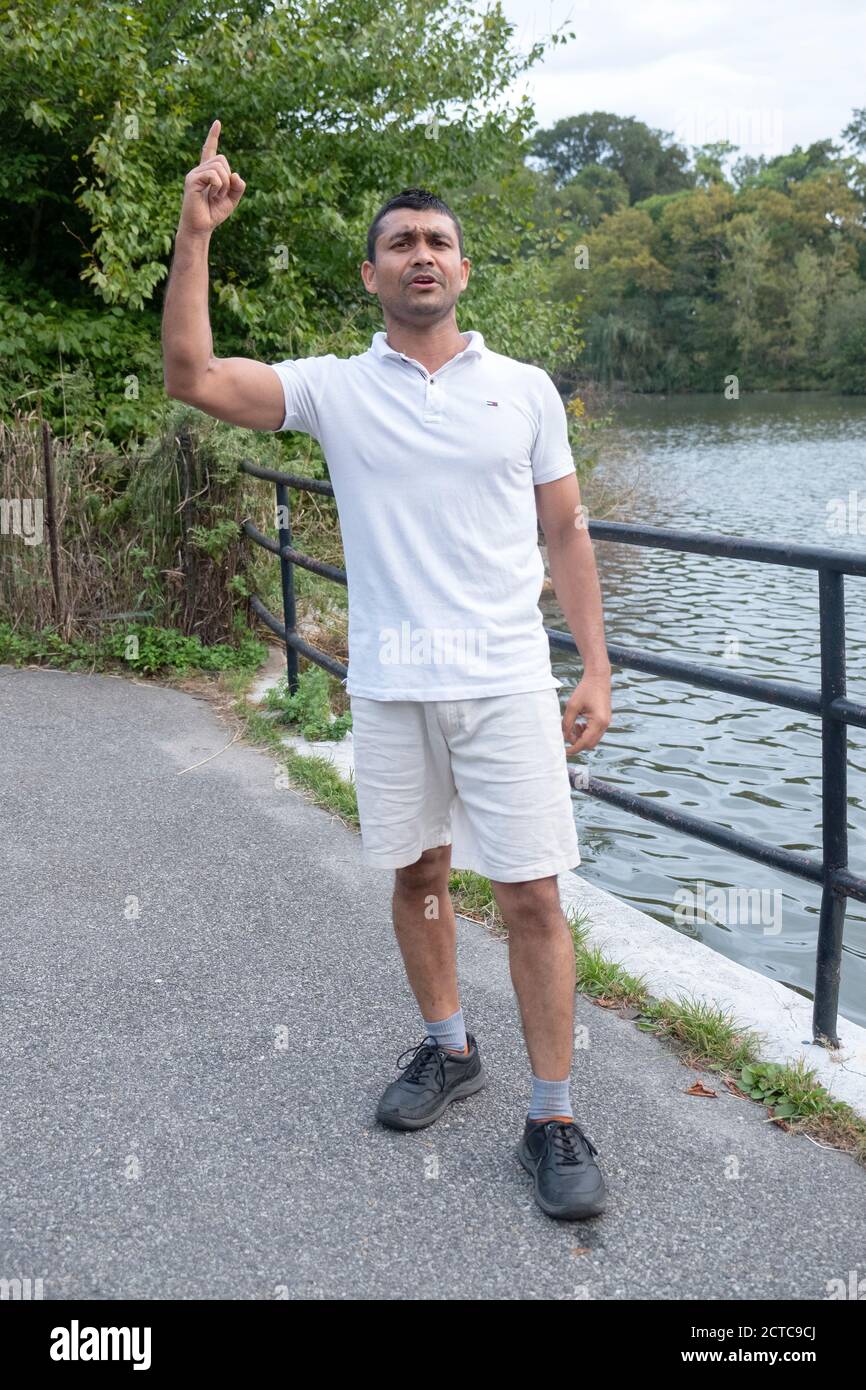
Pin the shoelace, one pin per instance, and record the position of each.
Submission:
(566, 1140)
(415, 1069)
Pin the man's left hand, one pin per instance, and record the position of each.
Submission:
(587, 714)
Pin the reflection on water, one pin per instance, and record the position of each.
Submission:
(771, 466)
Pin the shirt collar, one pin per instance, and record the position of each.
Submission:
(380, 348)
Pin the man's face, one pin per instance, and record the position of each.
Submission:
(413, 244)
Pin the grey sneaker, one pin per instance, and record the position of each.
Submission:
(431, 1079)
(561, 1158)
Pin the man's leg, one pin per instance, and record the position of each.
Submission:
(446, 1065)
(513, 821)
(427, 932)
(541, 960)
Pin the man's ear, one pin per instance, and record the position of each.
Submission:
(368, 276)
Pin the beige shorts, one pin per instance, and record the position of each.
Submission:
(486, 775)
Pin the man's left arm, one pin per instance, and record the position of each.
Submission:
(575, 580)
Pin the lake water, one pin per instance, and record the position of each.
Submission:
(765, 466)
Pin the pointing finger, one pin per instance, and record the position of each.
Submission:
(209, 148)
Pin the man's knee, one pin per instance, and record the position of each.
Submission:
(533, 902)
(427, 873)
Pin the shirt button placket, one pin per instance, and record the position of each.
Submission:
(431, 400)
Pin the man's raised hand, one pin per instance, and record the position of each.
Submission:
(211, 191)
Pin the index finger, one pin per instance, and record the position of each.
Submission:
(209, 148)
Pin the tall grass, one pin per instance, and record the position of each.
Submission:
(152, 535)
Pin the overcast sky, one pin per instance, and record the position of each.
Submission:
(764, 75)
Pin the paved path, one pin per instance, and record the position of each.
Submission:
(156, 1144)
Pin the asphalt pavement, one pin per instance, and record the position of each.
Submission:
(202, 1000)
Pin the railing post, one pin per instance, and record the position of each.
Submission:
(287, 575)
(834, 798)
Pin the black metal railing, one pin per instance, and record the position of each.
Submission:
(829, 703)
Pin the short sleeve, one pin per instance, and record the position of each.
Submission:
(551, 451)
(302, 379)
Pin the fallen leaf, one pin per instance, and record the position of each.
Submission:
(732, 1086)
(699, 1089)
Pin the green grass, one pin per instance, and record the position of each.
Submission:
(472, 896)
(319, 777)
(138, 647)
(605, 981)
(308, 709)
(706, 1033)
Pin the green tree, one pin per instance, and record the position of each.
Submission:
(783, 170)
(623, 285)
(855, 130)
(749, 288)
(648, 161)
(733, 274)
(843, 346)
(326, 110)
(709, 163)
(818, 282)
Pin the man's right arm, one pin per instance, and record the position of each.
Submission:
(236, 389)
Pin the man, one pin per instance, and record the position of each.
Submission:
(443, 457)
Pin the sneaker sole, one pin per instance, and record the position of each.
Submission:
(466, 1088)
(594, 1204)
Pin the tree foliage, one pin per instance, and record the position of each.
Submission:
(327, 109)
(760, 272)
(646, 160)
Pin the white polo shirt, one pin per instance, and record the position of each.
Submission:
(433, 479)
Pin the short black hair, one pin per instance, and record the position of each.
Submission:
(418, 198)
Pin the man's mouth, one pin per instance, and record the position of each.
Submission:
(424, 280)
